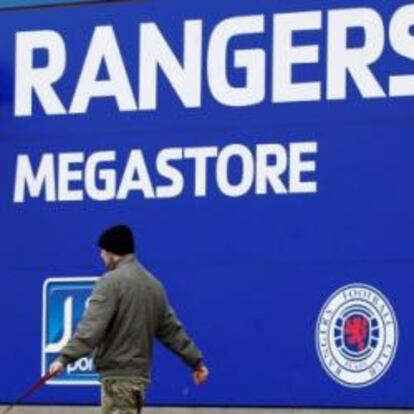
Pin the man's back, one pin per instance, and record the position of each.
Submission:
(126, 349)
(127, 309)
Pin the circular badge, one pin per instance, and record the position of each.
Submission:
(356, 335)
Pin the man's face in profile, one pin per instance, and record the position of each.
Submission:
(107, 258)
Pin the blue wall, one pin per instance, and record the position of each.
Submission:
(248, 275)
(34, 3)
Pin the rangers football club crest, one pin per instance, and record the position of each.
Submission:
(356, 335)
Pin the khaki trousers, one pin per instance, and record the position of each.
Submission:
(122, 396)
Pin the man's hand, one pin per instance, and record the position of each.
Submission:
(56, 368)
(200, 374)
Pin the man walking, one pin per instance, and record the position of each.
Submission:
(127, 310)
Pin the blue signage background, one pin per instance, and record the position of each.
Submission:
(11, 4)
(249, 275)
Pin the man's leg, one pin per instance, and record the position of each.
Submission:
(121, 396)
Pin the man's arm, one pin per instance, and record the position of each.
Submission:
(173, 335)
(91, 329)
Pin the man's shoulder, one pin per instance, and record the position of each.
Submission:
(109, 276)
(106, 279)
(128, 267)
(135, 269)
(149, 276)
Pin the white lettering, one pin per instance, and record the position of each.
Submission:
(38, 81)
(357, 60)
(136, 166)
(252, 61)
(43, 179)
(154, 52)
(285, 55)
(103, 49)
(402, 42)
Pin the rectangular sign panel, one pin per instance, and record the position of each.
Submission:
(262, 154)
(64, 302)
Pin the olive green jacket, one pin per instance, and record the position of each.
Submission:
(127, 310)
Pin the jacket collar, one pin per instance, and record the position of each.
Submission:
(125, 259)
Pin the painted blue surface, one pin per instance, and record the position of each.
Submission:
(7, 4)
(249, 275)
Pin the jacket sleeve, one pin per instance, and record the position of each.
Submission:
(92, 327)
(172, 334)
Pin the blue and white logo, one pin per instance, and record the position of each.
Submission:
(64, 302)
(357, 335)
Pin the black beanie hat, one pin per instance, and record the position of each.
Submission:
(118, 240)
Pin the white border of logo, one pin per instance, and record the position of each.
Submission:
(44, 310)
(369, 370)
